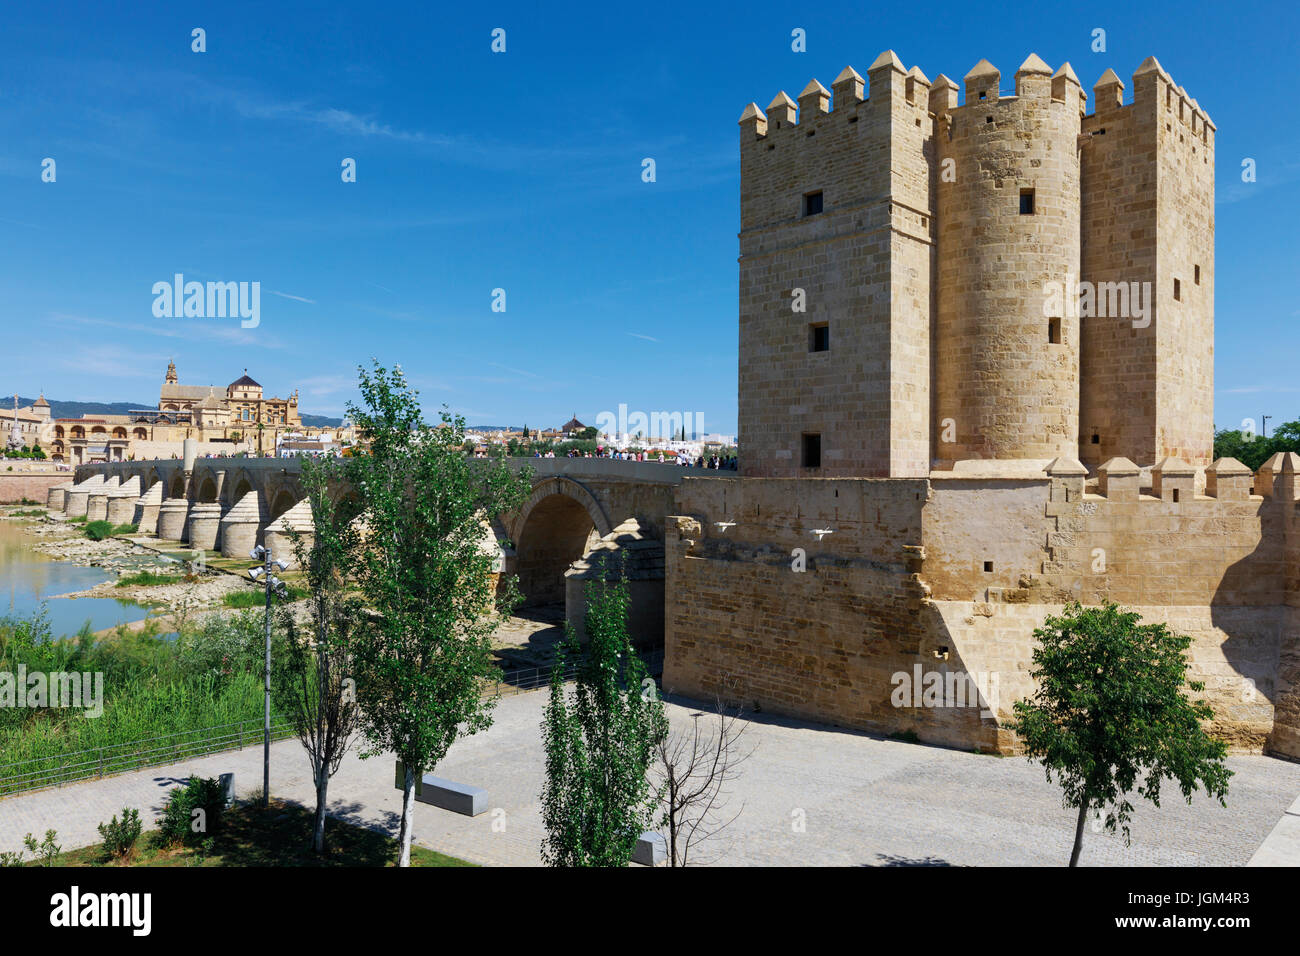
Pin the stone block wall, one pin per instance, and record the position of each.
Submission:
(951, 576)
(15, 487)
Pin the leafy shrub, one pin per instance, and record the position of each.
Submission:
(127, 528)
(46, 851)
(119, 838)
(98, 530)
(181, 823)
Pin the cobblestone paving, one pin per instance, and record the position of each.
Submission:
(811, 795)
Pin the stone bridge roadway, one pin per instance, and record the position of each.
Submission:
(231, 504)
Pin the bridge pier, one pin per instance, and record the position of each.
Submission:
(277, 538)
(57, 497)
(146, 509)
(120, 507)
(241, 528)
(205, 526)
(97, 500)
(79, 495)
(173, 516)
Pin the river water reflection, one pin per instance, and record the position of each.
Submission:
(29, 577)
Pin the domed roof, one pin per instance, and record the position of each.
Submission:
(245, 381)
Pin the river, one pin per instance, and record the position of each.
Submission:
(29, 577)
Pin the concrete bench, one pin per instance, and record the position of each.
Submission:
(446, 794)
(651, 849)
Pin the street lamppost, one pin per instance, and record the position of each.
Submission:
(273, 583)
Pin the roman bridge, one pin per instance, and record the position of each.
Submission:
(581, 510)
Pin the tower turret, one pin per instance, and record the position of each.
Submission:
(1006, 349)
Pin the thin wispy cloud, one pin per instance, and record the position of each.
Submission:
(638, 335)
(296, 298)
(515, 371)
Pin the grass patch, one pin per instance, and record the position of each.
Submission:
(29, 513)
(208, 677)
(248, 597)
(80, 519)
(277, 836)
(99, 530)
(148, 579)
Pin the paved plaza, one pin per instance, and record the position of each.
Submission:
(809, 795)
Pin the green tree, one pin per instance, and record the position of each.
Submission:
(1253, 450)
(314, 684)
(1111, 706)
(600, 741)
(422, 565)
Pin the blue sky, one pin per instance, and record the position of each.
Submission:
(519, 171)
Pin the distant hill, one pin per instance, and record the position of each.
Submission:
(321, 421)
(78, 409)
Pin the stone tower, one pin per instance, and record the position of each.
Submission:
(1006, 373)
(926, 280)
(835, 241)
(1148, 227)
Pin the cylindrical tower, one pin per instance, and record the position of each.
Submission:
(1007, 334)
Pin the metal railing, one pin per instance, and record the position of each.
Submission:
(39, 773)
(534, 678)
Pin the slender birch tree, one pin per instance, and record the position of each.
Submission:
(600, 741)
(314, 685)
(425, 570)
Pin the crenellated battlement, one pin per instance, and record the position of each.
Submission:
(848, 93)
(986, 109)
(1156, 99)
(981, 85)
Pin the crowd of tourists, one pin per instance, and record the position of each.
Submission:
(717, 462)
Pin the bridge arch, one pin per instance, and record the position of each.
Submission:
(556, 526)
(238, 485)
(207, 488)
(282, 501)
